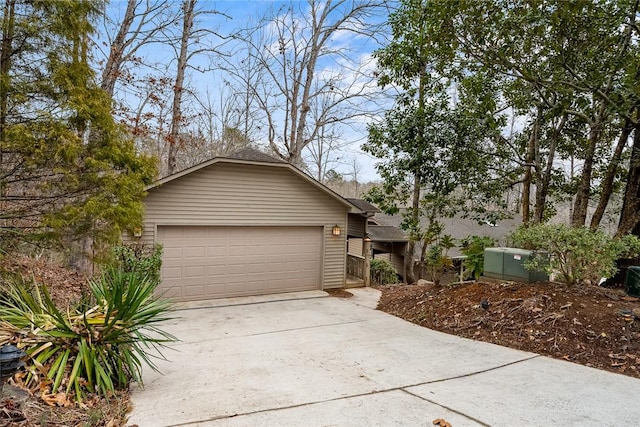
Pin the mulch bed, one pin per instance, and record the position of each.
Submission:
(590, 325)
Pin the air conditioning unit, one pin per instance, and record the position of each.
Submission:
(508, 264)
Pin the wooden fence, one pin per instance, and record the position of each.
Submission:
(355, 266)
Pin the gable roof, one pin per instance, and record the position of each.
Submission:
(364, 206)
(386, 233)
(251, 156)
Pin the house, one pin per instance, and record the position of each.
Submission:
(457, 227)
(380, 241)
(358, 245)
(247, 224)
(390, 243)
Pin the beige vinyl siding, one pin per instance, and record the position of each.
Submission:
(355, 246)
(234, 194)
(148, 232)
(357, 225)
(334, 259)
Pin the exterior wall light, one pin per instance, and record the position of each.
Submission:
(336, 230)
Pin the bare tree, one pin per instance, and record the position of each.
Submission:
(294, 49)
(223, 122)
(322, 152)
(143, 23)
(188, 14)
(356, 168)
(194, 41)
(241, 79)
(327, 143)
(149, 120)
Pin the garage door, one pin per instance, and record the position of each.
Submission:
(218, 262)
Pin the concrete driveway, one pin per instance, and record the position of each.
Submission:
(313, 360)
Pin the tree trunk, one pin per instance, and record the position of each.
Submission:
(414, 213)
(527, 180)
(5, 66)
(176, 112)
(579, 216)
(630, 214)
(542, 189)
(612, 169)
(111, 70)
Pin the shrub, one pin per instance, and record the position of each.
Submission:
(473, 248)
(576, 253)
(99, 345)
(142, 258)
(437, 259)
(382, 272)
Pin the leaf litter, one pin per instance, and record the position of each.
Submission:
(589, 325)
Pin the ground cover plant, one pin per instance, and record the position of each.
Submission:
(95, 346)
(86, 340)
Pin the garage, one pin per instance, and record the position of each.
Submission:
(246, 224)
(218, 262)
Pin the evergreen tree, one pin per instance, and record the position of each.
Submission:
(434, 162)
(67, 171)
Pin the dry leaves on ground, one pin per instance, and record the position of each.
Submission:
(589, 325)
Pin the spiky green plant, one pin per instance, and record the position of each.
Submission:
(99, 345)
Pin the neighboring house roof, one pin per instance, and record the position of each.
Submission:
(459, 228)
(386, 233)
(373, 221)
(364, 206)
(251, 156)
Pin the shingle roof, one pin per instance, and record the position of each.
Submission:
(363, 205)
(460, 228)
(386, 233)
(253, 155)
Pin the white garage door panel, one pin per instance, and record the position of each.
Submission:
(217, 262)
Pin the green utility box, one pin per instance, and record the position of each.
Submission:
(632, 281)
(508, 264)
(494, 263)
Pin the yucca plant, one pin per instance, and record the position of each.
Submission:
(97, 346)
